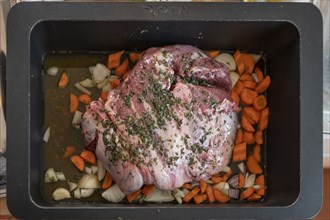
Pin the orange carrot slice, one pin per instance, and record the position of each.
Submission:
(88, 156)
(246, 193)
(263, 121)
(250, 84)
(220, 197)
(134, 57)
(209, 193)
(251, 114)
(247, 125)
(253, 197)
(198, 199)
(239, 136)
(114, 59)
(263, 85)
(203, 186)
(191, 195)
(260, 102)
(248, 137)
(107, 182)
(84, 98)
(73, 103)
(258, 137)
(256, 152)
(248, 61)
(131, 197)
(241, 180)
(187, 186)
(104, 96)
(260, 180)
(238, 88)
(252, 165)
(239, 152)
(213, 53)
(120, 70)
(226, 176)
(69, 150)
(147, 189)
(216, 179)
(234, 97)
(248, 95)
(259, 74)
(78, 162)
(114, 83)
(64, 80)
(246, 77)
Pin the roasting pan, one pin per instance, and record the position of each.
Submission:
(290, 36)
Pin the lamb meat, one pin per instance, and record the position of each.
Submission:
(170, 121)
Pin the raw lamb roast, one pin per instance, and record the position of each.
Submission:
(170, 121)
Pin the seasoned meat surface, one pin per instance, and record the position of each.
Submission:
(170, 122)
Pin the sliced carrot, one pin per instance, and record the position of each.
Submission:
(114, 59)
(263, 121)
(209, 193)
(203, 185)
(254, 197)
(252, 165)
(78, 162)
(114, 83)
(248, 61)
(234, 97)
(226, 176)
(131, 197)
(241, 180)
(104, 96)
(246, 77)
(263, 85)
(191, 195)
(69, 150)
(220, 197)
(239, 152)
(256, 153)
(122, 69)
(259, 74)
(250, 84)
(248, 137)
(64, 80)
(251, 114)
(107, 182)
(147, 189)
(258, 137)
(239, 62)
(247, 125)
(73, 103)
(260, 180)
(213, 53)
(260, 102)
(84, 98)
(239, 136)
(134, 57)
(238, 88)
(200, 198)
(248, 95)
(216, 179)
(187, 186)
(246, 193)
(88, 156)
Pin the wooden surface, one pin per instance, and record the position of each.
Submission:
(324, 214)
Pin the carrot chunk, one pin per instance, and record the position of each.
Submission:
(120, 70)
(107, 182)
(246, 193)
(220, 197)
(258, 137)
(64, 80)
(248, 61)
(263, 121)
(239, 136)
(187, 186)
(241, 180)
(246, 77)
(259, 74)
(147, 189)
(216, 179)
(78, 162)
(260, 102)
(238, 88)
(263, 85)
(248, 137)
(213, 53)
(69, 150)
(234, 97)
(247, 125)
(104, 96)
(73, 103)
(251, 114)
(260, 180)
(84, 98)
(239, 152)
(88, 156)
(250, 84)
(191, 195)
(254, 197)
(198, 199)
(114, 59)
(131, 197)
(209, 193)
(256, 153)
(252, 165)
(203, 185)
(114, 83)
(134, 57)
(248, 95)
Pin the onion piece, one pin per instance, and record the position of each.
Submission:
(46, 135)
(256, 187)
(233, 193)
(223, 187)
(227, 59)
(249, 181)
(241, 167)
(89, 181)
(76, 193)
(94, 169)
(72, 186)
(50, 176)
(185, 191)
(106, 88)
(76, 120)
(233, 181)
(61, 193)
(225, 169)
(88, 170)
(113, 194)
(88, 83)
(100, 73)
(60, 175)
(100, 170)
(82, 89)
(91, 69)
(255, 78)
(256, 57)
(84, 193)
(103, 83)
(159, 196)
(52, 71)
(234, 77)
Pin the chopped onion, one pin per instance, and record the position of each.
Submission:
(106, 88)
(50, 176)
(100, 170)
(233, 193)
(52, 71)
(76, 193)
(178, 199)
(113, 194)
(241, 167)
(88, 170)
(46, 135)
(60, 175)
(88, 83)
(225, 169)
(223, 187)
(103, 83)
(94, 169)
(159, 196)
(227, 59)
(179, 193)
(249, 181)
(61, 193)
(209, 181)
(84, 193)
(91, 69)
(76, 120)
(255, 78)
(185, 191)
(256, 57)
(256, 187)
(234, 78)
(82, 89)
(233, 181)
(72, 186)
(89, 181)
(113, 77)
(100, 73)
